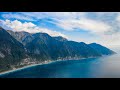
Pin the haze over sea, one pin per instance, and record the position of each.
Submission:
(104, 67)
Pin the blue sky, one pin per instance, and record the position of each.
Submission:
(88, 27)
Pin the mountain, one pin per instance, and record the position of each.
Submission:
(23, 37)
(22, 48)
(60, 38)
(80, 49)
(11, 51)
(42, 46)
(101, 49)
(55, 49)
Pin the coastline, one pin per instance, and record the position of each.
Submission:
(27, 66)
(32, 65)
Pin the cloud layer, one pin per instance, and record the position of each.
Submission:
(105, 25)
(17, 16)
(85, 24)
(28, 27)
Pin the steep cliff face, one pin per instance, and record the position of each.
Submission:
(23, 37)
(20, 48)
(11, 51)
(42, 47)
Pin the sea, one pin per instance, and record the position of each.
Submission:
(103, 67)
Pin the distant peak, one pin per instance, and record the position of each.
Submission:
(41, 34)
(82, 43)
(95, 43)
(60, 38)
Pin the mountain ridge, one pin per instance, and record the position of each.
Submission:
(40, 47)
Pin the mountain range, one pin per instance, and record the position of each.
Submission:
(18, 49)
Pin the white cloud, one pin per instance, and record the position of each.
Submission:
(55, 15)
(29, 27)
(118, 18)
(72, 20)
(104, 24)
(17, 16)
(85, 24)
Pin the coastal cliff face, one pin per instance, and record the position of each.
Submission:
(23, 48)
(11, 51)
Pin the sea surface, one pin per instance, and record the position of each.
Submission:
(104, 67)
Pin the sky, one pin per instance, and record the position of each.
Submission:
(88, 27)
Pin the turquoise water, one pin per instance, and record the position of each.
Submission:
(105, 67)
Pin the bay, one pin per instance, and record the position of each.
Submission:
(104, 67)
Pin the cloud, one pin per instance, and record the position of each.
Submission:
(54, 15)
(72, 20)
(105, 25)
(17, 16)
(29, 27)
(117, 19)
(84, 24)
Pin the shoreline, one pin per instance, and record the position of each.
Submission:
(27, 66)
(32, 65)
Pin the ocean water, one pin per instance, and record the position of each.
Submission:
(104, 67)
